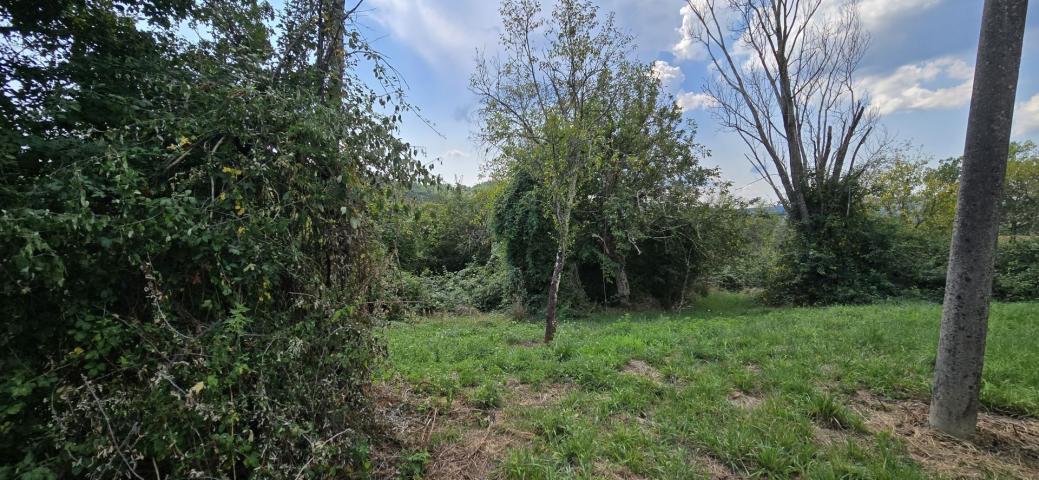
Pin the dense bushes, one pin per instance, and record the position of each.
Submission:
(852, 260)
(190, 252)
(1017, 270)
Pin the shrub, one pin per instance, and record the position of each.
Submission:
(1017, 270)
(190, 255)
(856, 259)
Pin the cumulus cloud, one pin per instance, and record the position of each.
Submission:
(695, 101)
(670, 76)
(933, 84)
(687, 48)
(1026, 117)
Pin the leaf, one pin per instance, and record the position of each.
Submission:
(197, 388)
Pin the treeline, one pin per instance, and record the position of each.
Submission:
(489, 247)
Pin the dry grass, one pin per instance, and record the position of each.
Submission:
(744, 400)
(715, 469)
(643, 369)
(464, 442)
(1003, 446)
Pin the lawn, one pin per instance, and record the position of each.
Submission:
(727, 389)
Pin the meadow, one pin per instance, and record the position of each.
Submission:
(725, 389)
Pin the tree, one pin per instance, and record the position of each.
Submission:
(896, 189)
(542, 107)
(784, 83)
(968, 291)
(650, 162)
(1021, 194)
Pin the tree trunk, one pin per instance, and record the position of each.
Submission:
(968, 289)
(623, 288)
(553, 293)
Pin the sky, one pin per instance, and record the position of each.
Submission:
(918, 72)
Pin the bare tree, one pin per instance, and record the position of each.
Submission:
(783, 80)
(968, 289)
(543, 102)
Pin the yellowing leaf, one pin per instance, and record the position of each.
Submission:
(197, 388)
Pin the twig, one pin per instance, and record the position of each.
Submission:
(316, 446)
(108, 424)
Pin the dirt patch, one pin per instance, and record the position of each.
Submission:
(474, 455)
(615, 472)
(522, 395)
(1002, 446)
(642, 369)
(463, 442)
(744, 400)
(716, 470)
(828, 437)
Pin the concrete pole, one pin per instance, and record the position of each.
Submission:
(968, 287)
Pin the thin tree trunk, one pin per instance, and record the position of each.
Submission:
(553, 293)
(968, 289)
(623, 288)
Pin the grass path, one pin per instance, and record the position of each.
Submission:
(726, 390)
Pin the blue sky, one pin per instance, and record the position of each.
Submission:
(918, 71)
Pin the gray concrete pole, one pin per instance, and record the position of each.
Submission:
(968, 287)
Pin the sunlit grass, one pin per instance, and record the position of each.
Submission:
(794, 370)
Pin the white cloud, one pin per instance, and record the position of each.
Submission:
(695, 101)
(455, 154)
(876, 13)
(687, 48)
(670, 76)
(1026, 118)
(943, 82)
(442, 36)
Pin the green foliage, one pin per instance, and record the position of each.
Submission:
(487, 396)
(477, 287)
(684, 246)
(191, 248)
(759, 236)
(525, 233)
(854, 257)
(445, 229)
(1017, 270)
(1021, 193)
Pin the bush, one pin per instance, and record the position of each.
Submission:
(857, 259)
(1017, 270)
(477, 287)
(190, 258)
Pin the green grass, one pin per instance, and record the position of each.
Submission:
(802, 366)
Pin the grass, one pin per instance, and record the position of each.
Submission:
(728, 385)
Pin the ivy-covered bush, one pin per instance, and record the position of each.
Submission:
(187, 250)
